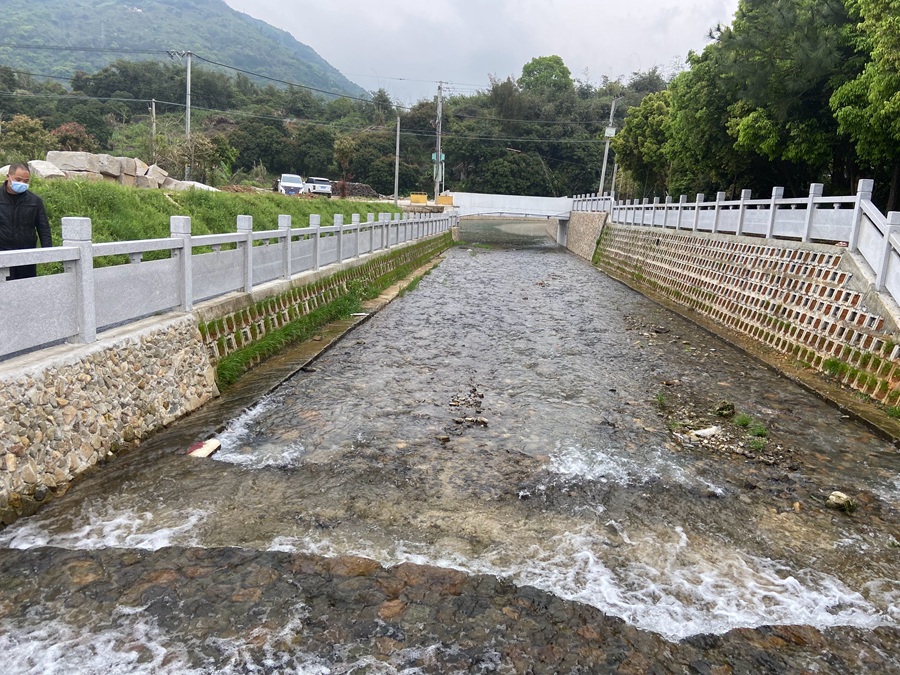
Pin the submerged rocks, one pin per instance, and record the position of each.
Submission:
(839, 500)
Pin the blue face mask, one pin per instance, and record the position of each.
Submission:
(18, 187)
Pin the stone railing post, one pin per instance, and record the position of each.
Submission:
(284, 224)
(682, 200)
(815, 191)
(777, 195)
(370, 219)
(653, 212)
(863, 194)
(245, 227)
(383, 221)
(76, 232)
(720, 197)
(392, 223)
(893, 228)
(697, 203)
(339, 223)
(355, 221)
(315, 222)
(644, 210)
(180, 228)
(745, 197)
(666, 211)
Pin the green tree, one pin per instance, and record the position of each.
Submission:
(640, 146)
(344, 149)
(867, 108)
(24, 139)
(73, 136)
(546, 74)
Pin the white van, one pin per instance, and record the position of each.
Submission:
(318, 186)
(291, 184)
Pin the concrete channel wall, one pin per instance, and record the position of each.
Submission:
(814, 303)
(68, 408)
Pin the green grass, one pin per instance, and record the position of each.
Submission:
(758, 444)
(234, 365)
(743, 419)
(120, 213)
(660, 399)
(758, 430)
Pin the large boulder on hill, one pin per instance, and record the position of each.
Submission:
(74, 161)
(109, 165)
(129, 166)
(146, 182)
(43, 169)
(157, 174)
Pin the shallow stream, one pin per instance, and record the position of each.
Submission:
(518, 417)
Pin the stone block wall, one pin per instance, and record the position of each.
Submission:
(583, 231)
(806, 301)
(73, 407)
(227, 328)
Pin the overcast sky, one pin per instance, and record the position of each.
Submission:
(406, 47)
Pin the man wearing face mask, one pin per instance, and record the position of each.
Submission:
(22, 218)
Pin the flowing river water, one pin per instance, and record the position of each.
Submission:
(499, 472)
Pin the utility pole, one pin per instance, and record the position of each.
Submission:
(610, 132)
(612, 188)
(397, 165)
(153, 130)
(187, 118)
(438, 165)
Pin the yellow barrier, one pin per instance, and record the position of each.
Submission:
(418, 198)
(445, 200)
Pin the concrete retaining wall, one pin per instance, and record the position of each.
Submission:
(811, 302)
(583, 231)
(66, 409)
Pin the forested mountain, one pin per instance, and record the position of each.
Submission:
(209, 28)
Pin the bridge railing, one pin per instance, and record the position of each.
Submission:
(85, 299)
(851, 221)
(592, 203)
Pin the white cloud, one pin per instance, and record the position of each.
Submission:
(463, 41)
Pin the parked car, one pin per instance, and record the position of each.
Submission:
(318, 186)
(291, 184)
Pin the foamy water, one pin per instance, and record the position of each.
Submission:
(259, 456)
(678, 593)
(660, 581)
(137, 645)
(104, 526)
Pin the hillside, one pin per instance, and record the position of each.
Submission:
(209, 28)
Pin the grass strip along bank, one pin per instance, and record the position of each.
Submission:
(121, 213)
(310, 307)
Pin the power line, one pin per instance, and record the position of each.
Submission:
(61, 48)
(369, 129)
(502, 119)
(290, 84)
(51, 77)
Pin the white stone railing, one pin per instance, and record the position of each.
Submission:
(592, 203)
(854, 222)
(75, 305)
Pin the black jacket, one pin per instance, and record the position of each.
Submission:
(22, 220)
